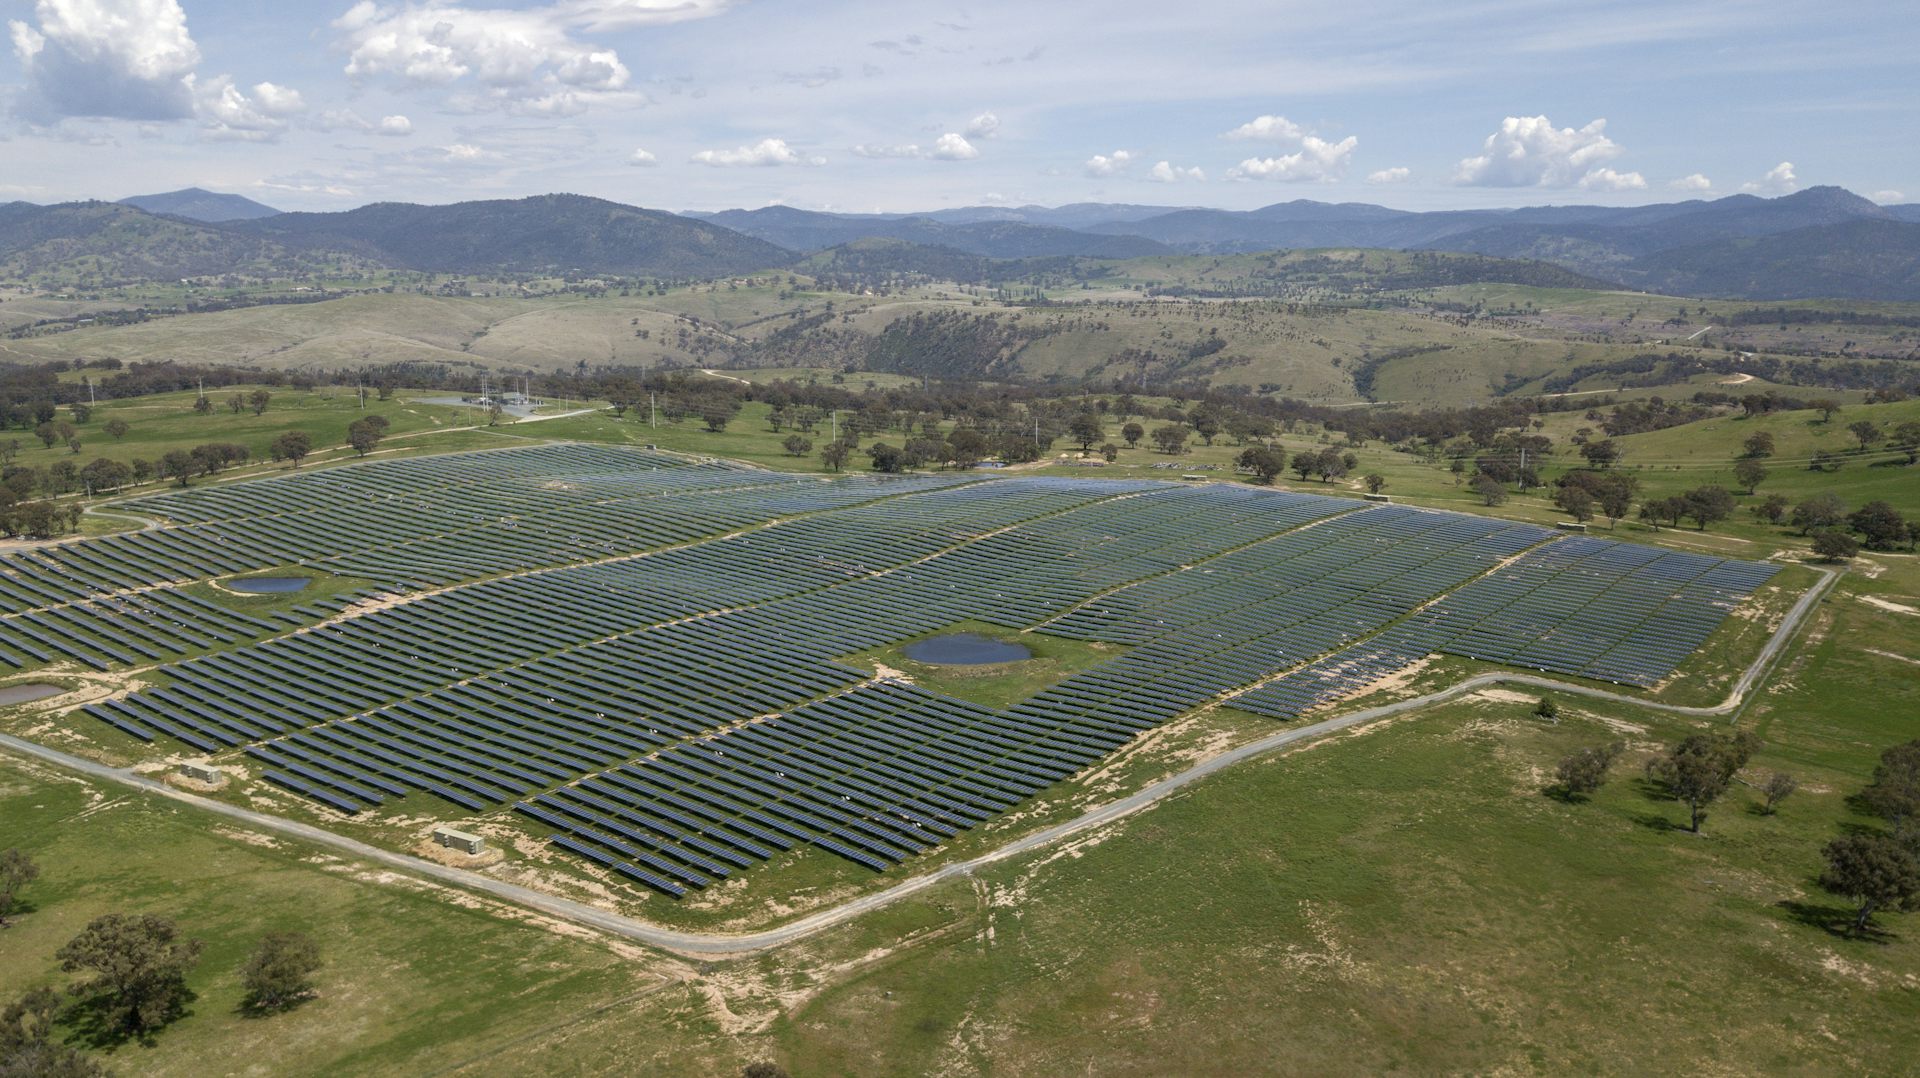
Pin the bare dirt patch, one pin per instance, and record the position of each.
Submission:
(1889, 606)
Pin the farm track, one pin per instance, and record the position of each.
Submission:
(721, 945)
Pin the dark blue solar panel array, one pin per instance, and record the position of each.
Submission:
(679, 715)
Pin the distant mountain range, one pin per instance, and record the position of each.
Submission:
(808, 232)
(528, 235)
(1821, 242)
(199, 204)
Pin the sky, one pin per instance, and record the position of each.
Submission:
(859, 106)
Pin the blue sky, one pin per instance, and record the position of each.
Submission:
(851, 105)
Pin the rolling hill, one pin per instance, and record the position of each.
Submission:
(106, 243)
(199, 204)
(546, 233)
(809, 231)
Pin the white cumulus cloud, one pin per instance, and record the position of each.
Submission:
(123, 59)
(1267, 129)
(953, 147)
(985, 125)
(1695, 183)
(948, 147)
(1779, 180)
(349, 120)
(229, 113)
(765, 153)
(1168, 172)
(1606, 179)
(1528, 151)
(1889, 197)
(1397, 174)
(630, 14)
(1107, 164)
(1317, 161)
(642, 159)
(527, 61)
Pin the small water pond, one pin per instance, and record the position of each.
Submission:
(965, 649)
(26, 694)
(269, 585)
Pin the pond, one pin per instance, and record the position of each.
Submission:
(26, 694)
(269, 585)
(965, 649)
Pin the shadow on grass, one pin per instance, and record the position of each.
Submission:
(1836, 921)
(1561, 793)
(91, 1018)
(1653, 790)
(20, 908)
(252, 1008)
(1654, 821)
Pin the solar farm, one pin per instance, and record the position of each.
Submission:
(643, 658)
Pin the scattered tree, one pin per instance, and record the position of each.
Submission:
(1492, 491)
(1874, 870)
(1758, 446)
(1707, 505)
(1750, 473)
(1865, 431)
(1264, 462)
(279, 973)
(1831, 544)
(1823, 510)
(797, 445)
(1583, 772)
(1575, 502)
(1698, 769)
(1773, 510)
(1547, 709)
(1881, 527)
(1086, 429)
(140, 966)
(258, 399)
(292, 446)
(1906, 438)
(1894, 793)
(1172, 438)
(834, 455)
(1602, 454)
(179, 465)
(1779, 786)
(1375, 482)
(16, 871)
(27, 1047)
(1133, 432)
(1330, 464)
(1109, 452)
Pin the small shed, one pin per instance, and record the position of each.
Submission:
(1378, 497)
(455, 839)
(203, 772)
(1570, 525)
